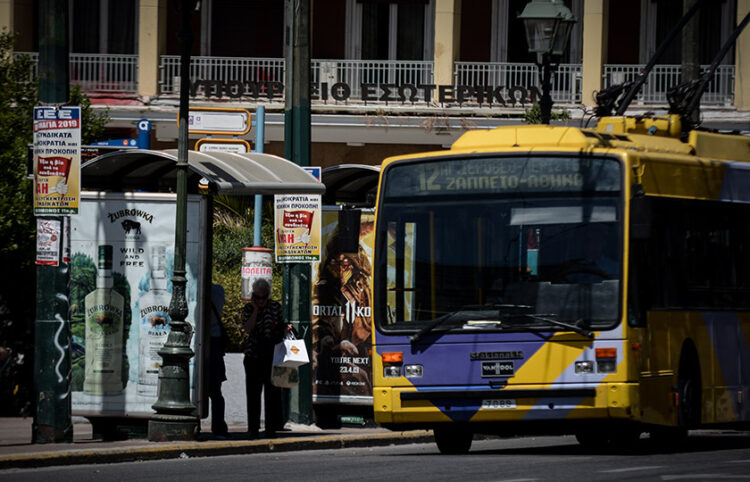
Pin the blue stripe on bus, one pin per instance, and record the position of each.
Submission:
(736, 183)
(733, 354)
(446, 363)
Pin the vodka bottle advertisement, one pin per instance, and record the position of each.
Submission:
(104, 328)
(153, 310)
(134, 233)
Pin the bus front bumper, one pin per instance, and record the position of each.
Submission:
(395, 405)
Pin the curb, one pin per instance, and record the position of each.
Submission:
(210, 448)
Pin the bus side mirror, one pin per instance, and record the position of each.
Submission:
(640, 217)
(349, 230)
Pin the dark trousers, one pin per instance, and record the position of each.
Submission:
(217, 375)
(257, 380)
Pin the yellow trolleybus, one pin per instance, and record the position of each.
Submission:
(538, 279)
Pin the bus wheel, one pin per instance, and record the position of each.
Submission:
(668, 437)
(453, 440)
(592, 439)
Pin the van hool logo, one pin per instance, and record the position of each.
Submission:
(350, 311)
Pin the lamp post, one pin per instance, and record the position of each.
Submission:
(174, 418)
(548, 24)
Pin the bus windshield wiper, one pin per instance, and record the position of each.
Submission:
(466, 313)
(547, 319)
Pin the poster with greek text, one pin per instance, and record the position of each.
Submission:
(342, 315)
(297, 228)
(57, 160)
(122, 260)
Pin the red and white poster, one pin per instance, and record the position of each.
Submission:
(48, 234)
(297, 228)
(57, 160)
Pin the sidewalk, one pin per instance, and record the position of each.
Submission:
(16, 449)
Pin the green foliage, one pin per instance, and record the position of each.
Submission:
(233, 230)
(534, 115)
(18, 97)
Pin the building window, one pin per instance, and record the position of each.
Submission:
(103, 26)
(390, 30)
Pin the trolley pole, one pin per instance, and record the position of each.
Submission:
(52, 364)
(296, 282)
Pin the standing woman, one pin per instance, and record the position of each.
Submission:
(264, 325)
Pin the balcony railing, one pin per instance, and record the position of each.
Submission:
(255, 77)
(354, 73)
(99, 73)
(720, 90)
(224, 76)
(516, 78)
(242, 77)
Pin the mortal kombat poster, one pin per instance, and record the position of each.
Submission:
(342, 313)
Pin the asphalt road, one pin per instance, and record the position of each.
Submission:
(708, 456)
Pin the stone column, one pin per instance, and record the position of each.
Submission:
(595, 19)
(152, 36)
(6, 15)
(447, 39)
(742, 61)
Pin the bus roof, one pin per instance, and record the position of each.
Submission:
(643, 135)
(706, 166)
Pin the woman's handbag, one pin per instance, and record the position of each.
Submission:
(290, 352)
(284, 377)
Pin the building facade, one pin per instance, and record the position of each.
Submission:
(389, 77)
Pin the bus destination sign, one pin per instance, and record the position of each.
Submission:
(497, 175)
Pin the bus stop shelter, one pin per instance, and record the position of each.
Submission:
(225, 173)
(129, 201)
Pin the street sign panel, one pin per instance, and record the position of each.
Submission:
(219, 120)
(211, 144)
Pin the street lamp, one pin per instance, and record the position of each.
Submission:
(548, 24)
(174, 418)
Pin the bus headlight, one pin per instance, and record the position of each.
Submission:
(584, 367)
(391, 371)
(413, 371)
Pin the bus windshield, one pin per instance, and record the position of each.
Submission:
(506, 243)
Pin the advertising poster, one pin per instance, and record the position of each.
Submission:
(297, 227)
(48, 235)
(342, 315)
(57, 160)
(122, 248)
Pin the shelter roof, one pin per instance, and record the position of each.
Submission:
(225, 172)
(350, 184)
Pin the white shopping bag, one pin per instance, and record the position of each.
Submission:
(284, 377)
(290, 353)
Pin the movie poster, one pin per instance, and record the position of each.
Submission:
(342, 315)
(122, 247)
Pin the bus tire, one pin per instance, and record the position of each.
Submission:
(689, 389)
(668, 437)
(453, 440)
(593, 439)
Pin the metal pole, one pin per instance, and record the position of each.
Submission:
(296, 296)
(545, 103)
(260, 125)
(52, 361)
(174, 418)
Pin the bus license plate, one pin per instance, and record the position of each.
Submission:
(498, 404)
